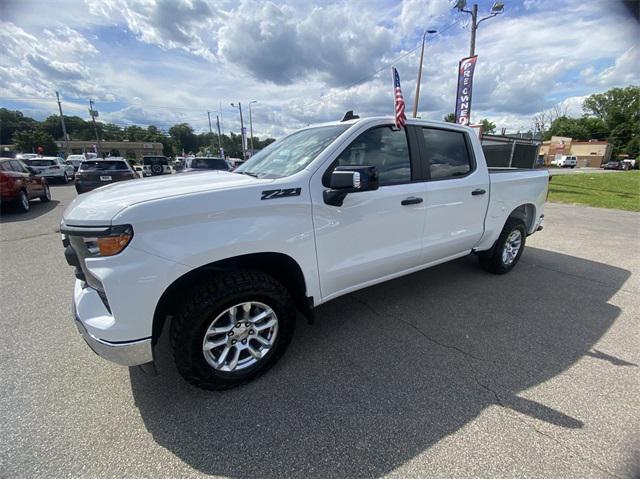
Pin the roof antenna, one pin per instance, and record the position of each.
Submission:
(349, 116)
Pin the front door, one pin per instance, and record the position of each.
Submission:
(374, 234)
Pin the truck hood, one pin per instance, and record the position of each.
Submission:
(99, 206)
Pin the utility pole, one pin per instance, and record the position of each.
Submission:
(210, 129)
(244, 153)
(93, 112)
(251, 124)
(496, 9)
(64, 127)
(219, 135)
(417, 97)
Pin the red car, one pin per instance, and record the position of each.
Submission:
(19, 184)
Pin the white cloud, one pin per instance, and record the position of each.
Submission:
(306, 63)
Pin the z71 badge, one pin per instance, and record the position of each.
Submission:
(282, 193)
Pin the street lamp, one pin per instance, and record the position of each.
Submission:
(496, 9)
(417, 98)
(251, 124)
(244, 153)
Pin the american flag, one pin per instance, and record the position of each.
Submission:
(401, 118)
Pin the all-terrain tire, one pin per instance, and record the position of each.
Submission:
(493, 260)
(209, 299)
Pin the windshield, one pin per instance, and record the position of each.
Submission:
(291, 154)
(40, 162)
(208, 163)
(103, 165)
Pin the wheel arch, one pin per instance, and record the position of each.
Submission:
(279, 265)
(526, 213)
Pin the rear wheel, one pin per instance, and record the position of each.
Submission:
(507, 249)
(23, 202)
(232, 328)
(46, 194)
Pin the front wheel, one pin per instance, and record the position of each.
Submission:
(46, 194)
(232, 328)
(23, 204)
(65, 178)
(507, 249)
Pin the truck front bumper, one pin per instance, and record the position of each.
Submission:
(88, 308)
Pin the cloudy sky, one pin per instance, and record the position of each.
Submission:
(167, 61)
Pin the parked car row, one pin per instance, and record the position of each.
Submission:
(24, 179)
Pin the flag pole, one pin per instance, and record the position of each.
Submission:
(393, 90)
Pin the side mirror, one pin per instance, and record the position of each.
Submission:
(349, 179)
(32, 171)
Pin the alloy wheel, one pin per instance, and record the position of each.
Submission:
(240, 336)
(511, 247)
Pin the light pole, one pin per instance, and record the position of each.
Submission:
(417, 98)
(244, 154)
(251, 124)
(496, 9)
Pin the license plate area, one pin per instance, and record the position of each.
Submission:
(105, 178)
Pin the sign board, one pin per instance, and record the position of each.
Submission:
(465, 88)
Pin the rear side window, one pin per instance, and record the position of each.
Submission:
(5, 166)
(447, 153)
(382, 147)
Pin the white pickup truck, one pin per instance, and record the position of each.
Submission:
(222, 260)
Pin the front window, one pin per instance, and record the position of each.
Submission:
(291, 154)
(103, 165)
(383, 147)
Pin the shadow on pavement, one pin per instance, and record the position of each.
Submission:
(9, 215)
(387, 372)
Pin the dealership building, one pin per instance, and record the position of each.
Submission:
(127, 149)
(588, 153)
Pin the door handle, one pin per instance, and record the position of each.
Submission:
(477, 192)
(412, 200)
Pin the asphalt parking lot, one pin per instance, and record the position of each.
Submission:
(449, 372)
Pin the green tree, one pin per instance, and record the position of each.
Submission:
(488, 127)
(619, 109)
(184, 137)
(30, 140)
(12, 121)
(450, 118)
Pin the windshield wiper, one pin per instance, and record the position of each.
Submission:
(255, 175)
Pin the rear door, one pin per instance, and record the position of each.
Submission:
(374, 234)
(457, 193)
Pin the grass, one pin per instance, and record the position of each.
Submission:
(619, 190)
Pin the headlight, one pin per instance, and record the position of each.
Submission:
(111, 243)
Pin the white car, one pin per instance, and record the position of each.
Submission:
(52, 167)
(565, 161)
(327, 210)
(75, 160)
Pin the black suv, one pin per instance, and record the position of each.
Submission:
(155, 165)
